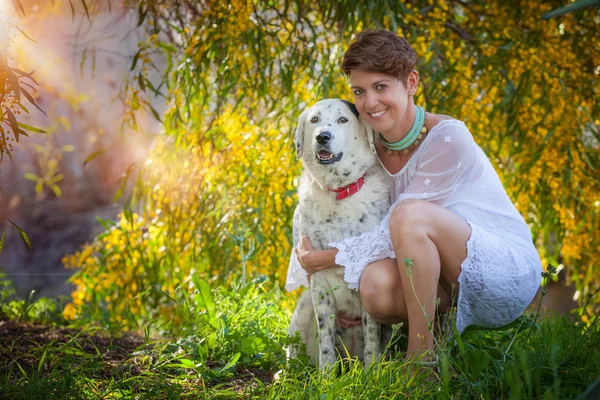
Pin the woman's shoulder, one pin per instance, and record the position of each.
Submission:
(438, 121)
(432, 119)
(445, 128)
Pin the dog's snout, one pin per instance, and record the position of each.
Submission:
(323, 137)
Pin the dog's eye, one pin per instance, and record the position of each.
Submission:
(314, 120)
(342, 120)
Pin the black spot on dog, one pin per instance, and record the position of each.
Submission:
(325, 351)
(352, 108)
(347, 173)
(328, 220)
(362, 218)
(321, 321)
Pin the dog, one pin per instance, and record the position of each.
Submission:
(343, 192)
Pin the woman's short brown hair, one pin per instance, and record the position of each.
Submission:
(381, 52)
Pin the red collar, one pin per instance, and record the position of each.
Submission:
(349, 190)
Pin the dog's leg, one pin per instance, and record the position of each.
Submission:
(372, 330)
(303, 322)
(324, 303)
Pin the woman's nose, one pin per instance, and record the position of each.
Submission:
(370, 100)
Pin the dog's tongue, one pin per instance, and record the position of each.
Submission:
(324, 153)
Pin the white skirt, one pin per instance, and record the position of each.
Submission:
(498, 280)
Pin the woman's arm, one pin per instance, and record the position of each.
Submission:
(314, 260)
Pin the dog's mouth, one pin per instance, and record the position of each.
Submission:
(325, 157)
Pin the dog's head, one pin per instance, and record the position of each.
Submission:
(334, 143)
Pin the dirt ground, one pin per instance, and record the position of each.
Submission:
(24, 343)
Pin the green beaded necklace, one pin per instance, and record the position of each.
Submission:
(414, 135)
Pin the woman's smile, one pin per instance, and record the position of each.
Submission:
(377, 114)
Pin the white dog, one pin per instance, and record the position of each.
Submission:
(343, 192)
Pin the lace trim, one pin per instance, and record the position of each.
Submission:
(357, 252)
(467, 267)
(497, 282)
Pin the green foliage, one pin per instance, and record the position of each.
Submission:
(43, 310)
(230, 341)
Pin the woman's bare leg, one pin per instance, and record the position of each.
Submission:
(382, 294)
(434, 239)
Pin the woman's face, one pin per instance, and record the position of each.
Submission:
(383, 100)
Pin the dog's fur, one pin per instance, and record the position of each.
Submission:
(324, 219)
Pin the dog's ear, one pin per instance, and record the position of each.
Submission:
(299, 135)
(370, 134)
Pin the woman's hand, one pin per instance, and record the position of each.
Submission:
(314, 260)
(304, 254)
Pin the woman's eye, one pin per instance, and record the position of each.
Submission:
(380, 87)
(358, 92)
(342, 120)
(314, 120)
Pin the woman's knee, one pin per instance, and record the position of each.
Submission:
(409, 217)
(381, 291)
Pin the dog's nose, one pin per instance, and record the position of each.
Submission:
(323, 137)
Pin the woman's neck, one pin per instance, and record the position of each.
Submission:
(402, 127)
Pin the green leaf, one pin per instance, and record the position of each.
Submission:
(19, 7)
(458, 339)
(82, 64)
(87, 12)
(13, 123)
(123, 181)
(205, 298)
(31, 128)
(478, 360)
(32, 101)
(2, 240)
(576, 6)
(26, 75)
(135, 59)
(141, 15)
(215, 322)
(14, 84)
(187, 363)
(92, 156)
(155, 113)
(106, 223)
(141, 81)
(252, 345)
(72, 10)
(232, 361)
(23, 235)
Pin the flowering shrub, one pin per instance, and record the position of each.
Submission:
(218, 196)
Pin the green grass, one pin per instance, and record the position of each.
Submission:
(228, 342)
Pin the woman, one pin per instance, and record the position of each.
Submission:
(452, 232)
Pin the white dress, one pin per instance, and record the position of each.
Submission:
(502, 271)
